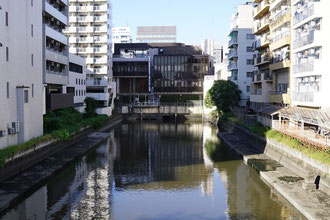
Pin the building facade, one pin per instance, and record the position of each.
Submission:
(77, 81)
(309, 81)
(241, 53)
(90, 33)
(262, 78)
(55, 55)
(156, 34)
(280, 46)
(21, 67)
(121, 35)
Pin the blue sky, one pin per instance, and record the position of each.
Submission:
(195, 19)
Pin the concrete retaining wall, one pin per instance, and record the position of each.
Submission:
(30, 158)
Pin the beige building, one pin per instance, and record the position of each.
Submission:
(280, 46)
(262, 81)
(21, 65)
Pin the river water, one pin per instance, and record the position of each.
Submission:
(155, 170)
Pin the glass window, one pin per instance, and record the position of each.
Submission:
(26, 96)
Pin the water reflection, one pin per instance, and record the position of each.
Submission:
(156, 171)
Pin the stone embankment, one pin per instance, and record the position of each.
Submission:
(48, 163)
(284, 169)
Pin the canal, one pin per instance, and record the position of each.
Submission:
(155, 170)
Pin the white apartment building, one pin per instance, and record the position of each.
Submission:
(90, 36)
(156, 34)
(21, 66)
(241, 53)
(55, 54)
(311, 49)
(121, 35)
(77, 81)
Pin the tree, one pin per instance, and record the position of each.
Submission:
(224, 95)
(90, 109)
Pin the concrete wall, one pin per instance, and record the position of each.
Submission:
(19, 72)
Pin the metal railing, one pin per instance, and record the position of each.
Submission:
(279, 15)
(307, 12)
(303, 96)
(308, 39)
(280, 36)
(303, 67)
(233, 41)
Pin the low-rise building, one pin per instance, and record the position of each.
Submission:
(77, 81)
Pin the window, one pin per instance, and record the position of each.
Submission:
(248, 89)
(249, 49)
(249, 62)
(75, 68)
(31, 3)
(31, 30)
(32, 90)
(6, 18)
(32, 59)
(7, 90)
(249, 74)
(250, 37)
(7, 54)
(26, 96)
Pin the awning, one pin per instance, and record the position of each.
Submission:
(270, 110)
(312, 116)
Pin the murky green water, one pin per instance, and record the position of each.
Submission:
(154, 170)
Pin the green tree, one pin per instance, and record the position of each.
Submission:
(224, 95)
(90, 109)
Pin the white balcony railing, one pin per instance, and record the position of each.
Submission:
(303, 41)
(307, 12)
(303, 67)
(303, 96)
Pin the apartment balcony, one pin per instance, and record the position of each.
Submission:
(303, 41)
(262, 59)
(232, 66)
(100, 18)
(56, 13)
(99, 96)
(306, 13)
(256, 1)
(279, 97)
(279, 64)
(50, 32)
(280, 40)
(97, 82)
(56, 56)
(261, 26)
(103, 60)
(232, 42)
(56, 77)
(261, 9)
(232, 54)
(281, 18)
(306, 67)
(56, 101)
(262, 42)
(303, 96)
(81, 19)
(88, 8)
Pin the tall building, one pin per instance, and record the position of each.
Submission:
(156, 34)
(55, 55)
(121, 35)
(241, 53)
(90, 34)
(207, 46)
(280, 43)
(311, 49)
(262, 79)
(213, 49)
(21, 67)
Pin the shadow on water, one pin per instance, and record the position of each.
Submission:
(153, 170)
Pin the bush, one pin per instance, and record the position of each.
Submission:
(60, 125)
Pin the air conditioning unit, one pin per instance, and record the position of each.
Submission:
(15, 125)
(2, 133)
(11, 131)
